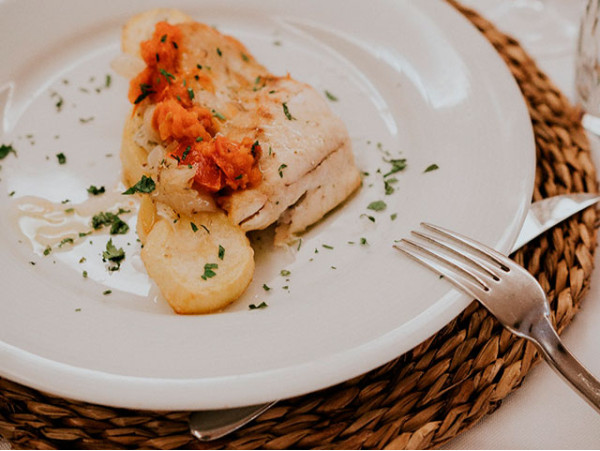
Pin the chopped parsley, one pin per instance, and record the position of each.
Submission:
(280, 170)
(113, 255)
(259, 306)
(245, 57)
(218, 115)
(65, 241)
(144, 185)
(194, 227)
(387, 185)
(168, 76)
(378, 205)
(186, 152)
(219, 52)
(398, 164)
(199, 138)
(221, 252)
(370, 218)
(431, 167)
(330, 96)
(107, 292)
(327, 246)
(285, 272)
(59, 103)
(393, 216)
(85, 120)
(163, 38)
(5, 150)
(95, 191)
(117, 225)
(266, 287)
(208, 271)
(47, 250)
(146, 90)
(107, 81)
(190, 93)
(363, 241)
(62, 159)
(286, 111)
(84, 274)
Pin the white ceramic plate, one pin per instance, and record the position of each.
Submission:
(413, 79)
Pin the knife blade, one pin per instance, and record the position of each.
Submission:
(545, 214)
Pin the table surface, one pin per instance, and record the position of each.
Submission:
(544, 413)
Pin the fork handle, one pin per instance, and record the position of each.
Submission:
(559, 357)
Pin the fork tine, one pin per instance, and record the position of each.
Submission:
(482, 265)
(493, 255)
(454, 271)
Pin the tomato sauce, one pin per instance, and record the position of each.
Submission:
(220, 163)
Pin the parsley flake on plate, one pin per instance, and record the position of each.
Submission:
(377, 205)
(5, 150)
(113, 255)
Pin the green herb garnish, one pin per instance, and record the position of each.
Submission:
(117, 225)
(398, 164)
(218, 115)
(5, 150)
(431, 167)
(146, 90)
(280, 170)
(194, 227)
(65, 241)
(378, 205)
(286, 111)
(93, 190)
(259, 306)
(168, 76)
(285, 272)
(113, 255)
(145, 185)
(208, 271)
(221, 252)
(330, 96)
(61, 158)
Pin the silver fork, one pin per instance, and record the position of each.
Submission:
(507, 290)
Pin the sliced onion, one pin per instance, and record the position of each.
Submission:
(127, 65)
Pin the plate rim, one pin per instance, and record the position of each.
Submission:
(313, 371)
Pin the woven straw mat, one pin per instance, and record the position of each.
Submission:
(425, 397)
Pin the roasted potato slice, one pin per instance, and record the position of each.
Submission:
(200, 263)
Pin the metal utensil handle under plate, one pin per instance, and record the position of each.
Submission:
(565, 364)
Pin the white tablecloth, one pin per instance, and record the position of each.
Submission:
(545, 413)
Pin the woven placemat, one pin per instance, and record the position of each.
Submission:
(420, 400)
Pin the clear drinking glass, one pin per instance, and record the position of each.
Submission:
(587, 60)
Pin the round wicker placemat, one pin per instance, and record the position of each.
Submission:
(425, 397)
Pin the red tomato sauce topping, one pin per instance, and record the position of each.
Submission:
(219, 162)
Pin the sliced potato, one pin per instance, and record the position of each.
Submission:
(196, 270)
(146, 218)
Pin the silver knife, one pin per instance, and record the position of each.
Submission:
(543, 215)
